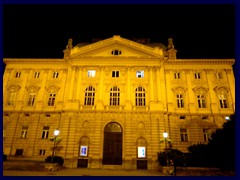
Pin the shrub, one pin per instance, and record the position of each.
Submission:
(56, 159)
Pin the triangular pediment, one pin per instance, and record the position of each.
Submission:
(116, 47)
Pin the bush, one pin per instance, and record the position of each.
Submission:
(4, 157)
(56, 159)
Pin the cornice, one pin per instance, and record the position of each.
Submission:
(32, 60)
(201, 61)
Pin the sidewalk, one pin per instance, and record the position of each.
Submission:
(84, 172)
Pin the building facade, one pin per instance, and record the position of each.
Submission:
(112, 100)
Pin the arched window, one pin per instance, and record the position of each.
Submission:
(89, 96)
(114, 96)
(140, 96)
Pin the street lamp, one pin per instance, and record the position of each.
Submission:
(165, 135)
(56, 133)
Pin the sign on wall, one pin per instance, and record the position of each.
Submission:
(141, 152)
(83, 150)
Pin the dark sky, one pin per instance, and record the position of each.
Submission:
(42, 31)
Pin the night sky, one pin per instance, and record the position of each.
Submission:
(42, 31)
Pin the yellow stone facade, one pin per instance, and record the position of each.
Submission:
(133, 89)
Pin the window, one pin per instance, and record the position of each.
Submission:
(184, 135)
(204, 117)
(177, 75)
(201, 101)
(11, 98)
(51, 99)
(48, 115)
(114, 96)
(140, 96)
(223, 100)
(45, 132)
(31, 99)
(219, 75)
(115, 73)
(18, 74)
(19, 152)
(36, 74)
(24, 131)
(116, 52)
(140, 74)
(55, 74)
(182, 117)
(42, 152)
(180, 103)
(91, 73)
(89, 96)
(206, 135)
(197, 76)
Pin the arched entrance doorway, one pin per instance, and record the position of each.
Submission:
(112, 148)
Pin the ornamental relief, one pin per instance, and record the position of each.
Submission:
(34, 82)
(54, 82)
(46, 121)
(25, 120)
(16, 81)
(199, 82)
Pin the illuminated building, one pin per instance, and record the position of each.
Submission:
(111, 101)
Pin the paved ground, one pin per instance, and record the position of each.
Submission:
(108, 172)
(84, 172)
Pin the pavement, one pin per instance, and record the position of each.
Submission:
(116, 172)
(84, 172)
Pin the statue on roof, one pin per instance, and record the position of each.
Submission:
(170, 44)
(67, 51)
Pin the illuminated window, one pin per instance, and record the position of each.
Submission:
(24, 131)
(140, 74)
(89, 96)
(140, 96)
(115, 73)
(180, 103)
(18, 74)
(183, 135)
(45, 132)
(91, 73)
(116, 52)
(206, 135)
(42, 152)
(177, 75)
(31, 99)
(223, 100)
(36, 74)
(197, 76)
(114, 96)
(55, 74)
(201, 101)
(51, 99)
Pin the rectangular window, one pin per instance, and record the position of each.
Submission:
(182, 117)
(18, 74)
(45, 132)
(36, 74)
(177, 75)
(91, 73)
(24, 132)
(141, 152)
(223, 101)
(201, 101)
(140, 74)
(51, 99)
(19, 152)
(184, 135)
(197, 76)
(11, 98)
(83, 151)
(180, 103)
(55, 74)
(42, 152)
(31, 99)
(206, 135)
(115, 73)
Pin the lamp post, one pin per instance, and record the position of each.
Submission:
(165, 135)
(56, 133)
